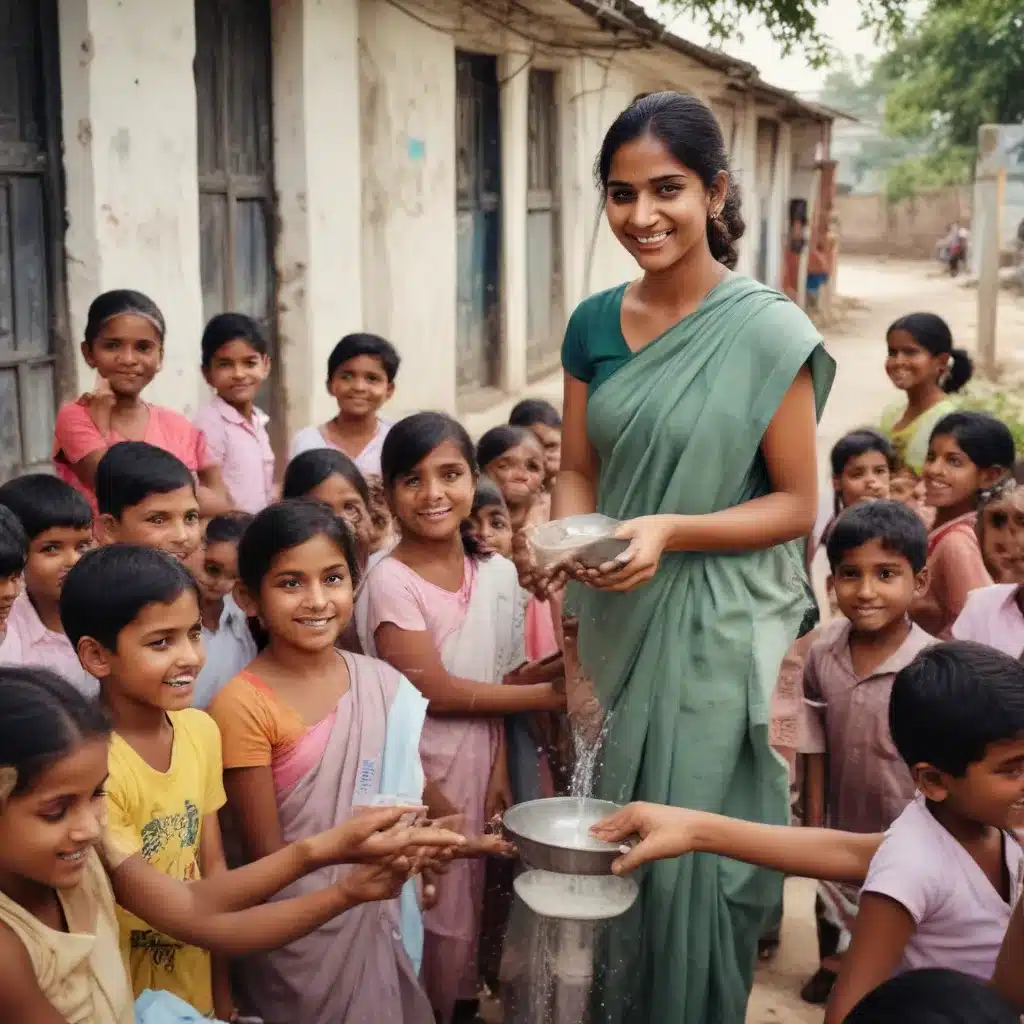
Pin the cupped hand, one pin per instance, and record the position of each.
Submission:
(539, 581)
(647, 538)
(376, 834)
(367, 883)
(664, 832)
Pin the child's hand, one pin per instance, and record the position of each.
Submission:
(377, 834)
(428, 890)
(100, 404)
(664, 832)
(368, 883)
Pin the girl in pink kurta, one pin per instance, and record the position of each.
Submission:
(453, 625)
(124, 344)
(969, 453)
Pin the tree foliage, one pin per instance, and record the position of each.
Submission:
(794, 24)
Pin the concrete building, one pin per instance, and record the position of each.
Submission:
(417, 168)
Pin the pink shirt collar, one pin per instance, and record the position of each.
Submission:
(232, 415)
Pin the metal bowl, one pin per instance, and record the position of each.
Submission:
(554, 834)
(587, 539)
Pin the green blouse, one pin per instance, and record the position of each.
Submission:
(594, 347)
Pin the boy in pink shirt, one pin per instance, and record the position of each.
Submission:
(58, 526)
(235, 364)
(124, 344)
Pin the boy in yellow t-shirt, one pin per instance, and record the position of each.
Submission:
(142, 641)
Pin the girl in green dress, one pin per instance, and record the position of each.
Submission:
(691, 397)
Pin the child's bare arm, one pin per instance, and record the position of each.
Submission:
(1009, 977)
(21, 999)
(211, 864)
(675, 831)
(253, 807)
(212, 492)
(814, 791)
(880, 935)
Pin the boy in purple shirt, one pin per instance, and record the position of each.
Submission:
(235, 364)
(57, 522)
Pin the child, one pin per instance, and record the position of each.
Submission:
(309, 732)
(13, 554)
(543, 420)
(969, 453)
(227, 640)
(147, 496)
(361, 375)
(57, 521)
(1000, 529)
(59, 949)
(877, 553)
(236, 365)
(124, 344)
(906, 487)
(513, 458)
(922, 362)
(488, 529)
(452, 624)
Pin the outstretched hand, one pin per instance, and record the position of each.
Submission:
(664, 832)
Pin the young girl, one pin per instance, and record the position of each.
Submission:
(453, 625)
(995, 615)
(60, 956)
(514, 459)
(969, 453)
(922, 362)
(310, 732)
(124, 344)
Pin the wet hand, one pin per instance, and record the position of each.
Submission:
(663, 831)
(648, 537)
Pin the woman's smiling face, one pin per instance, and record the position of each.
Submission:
(656, 206)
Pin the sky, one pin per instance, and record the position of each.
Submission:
(840, 20)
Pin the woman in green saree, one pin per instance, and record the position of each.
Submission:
(691, 398)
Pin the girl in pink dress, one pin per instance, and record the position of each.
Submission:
(124, 344)
(453, 625)
(969, 453)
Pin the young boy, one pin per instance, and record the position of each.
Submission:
(361, 375)
(132, 614)
(227, 640)
(13, 553)
(877, 553)
(57, 522)
(235, 364)
(543, 420)
(147, 496)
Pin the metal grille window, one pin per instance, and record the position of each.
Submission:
(30, 233)
(545, 314)
(236, 185)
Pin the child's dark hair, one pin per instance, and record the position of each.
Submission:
(689, 131)
(985, 440)
(353, 345)
(532, 412)
(487, 494)
(933, 996)
(855, 443)
(897, 528)
(308, 470)
(130, 471)
(952, 702)
(411, 440)
(108, 587)
(931, 332)
(13, 544)
(226, 327)
(498, 440)
(44, 502)
(122, 302)
(285, 525)
(227, 528)
(42, 719)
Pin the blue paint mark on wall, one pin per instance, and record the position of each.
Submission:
(417, 149)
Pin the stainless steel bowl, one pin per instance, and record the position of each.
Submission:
(554, 834)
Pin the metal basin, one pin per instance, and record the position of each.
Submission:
(554, 834)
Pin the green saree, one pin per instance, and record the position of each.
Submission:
(685, 665)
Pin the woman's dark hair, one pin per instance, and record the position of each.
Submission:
(931, 332)
(985, 440)
(309, 470)
(122, 302)
(499, 440)
(933, 996)
(532, 412)
(285, 525)
(411, 440)
(42, 719)
(690, 132)
(853, 444)
(227, 528)
(225, 327)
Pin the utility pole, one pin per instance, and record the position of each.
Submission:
(990, 186)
